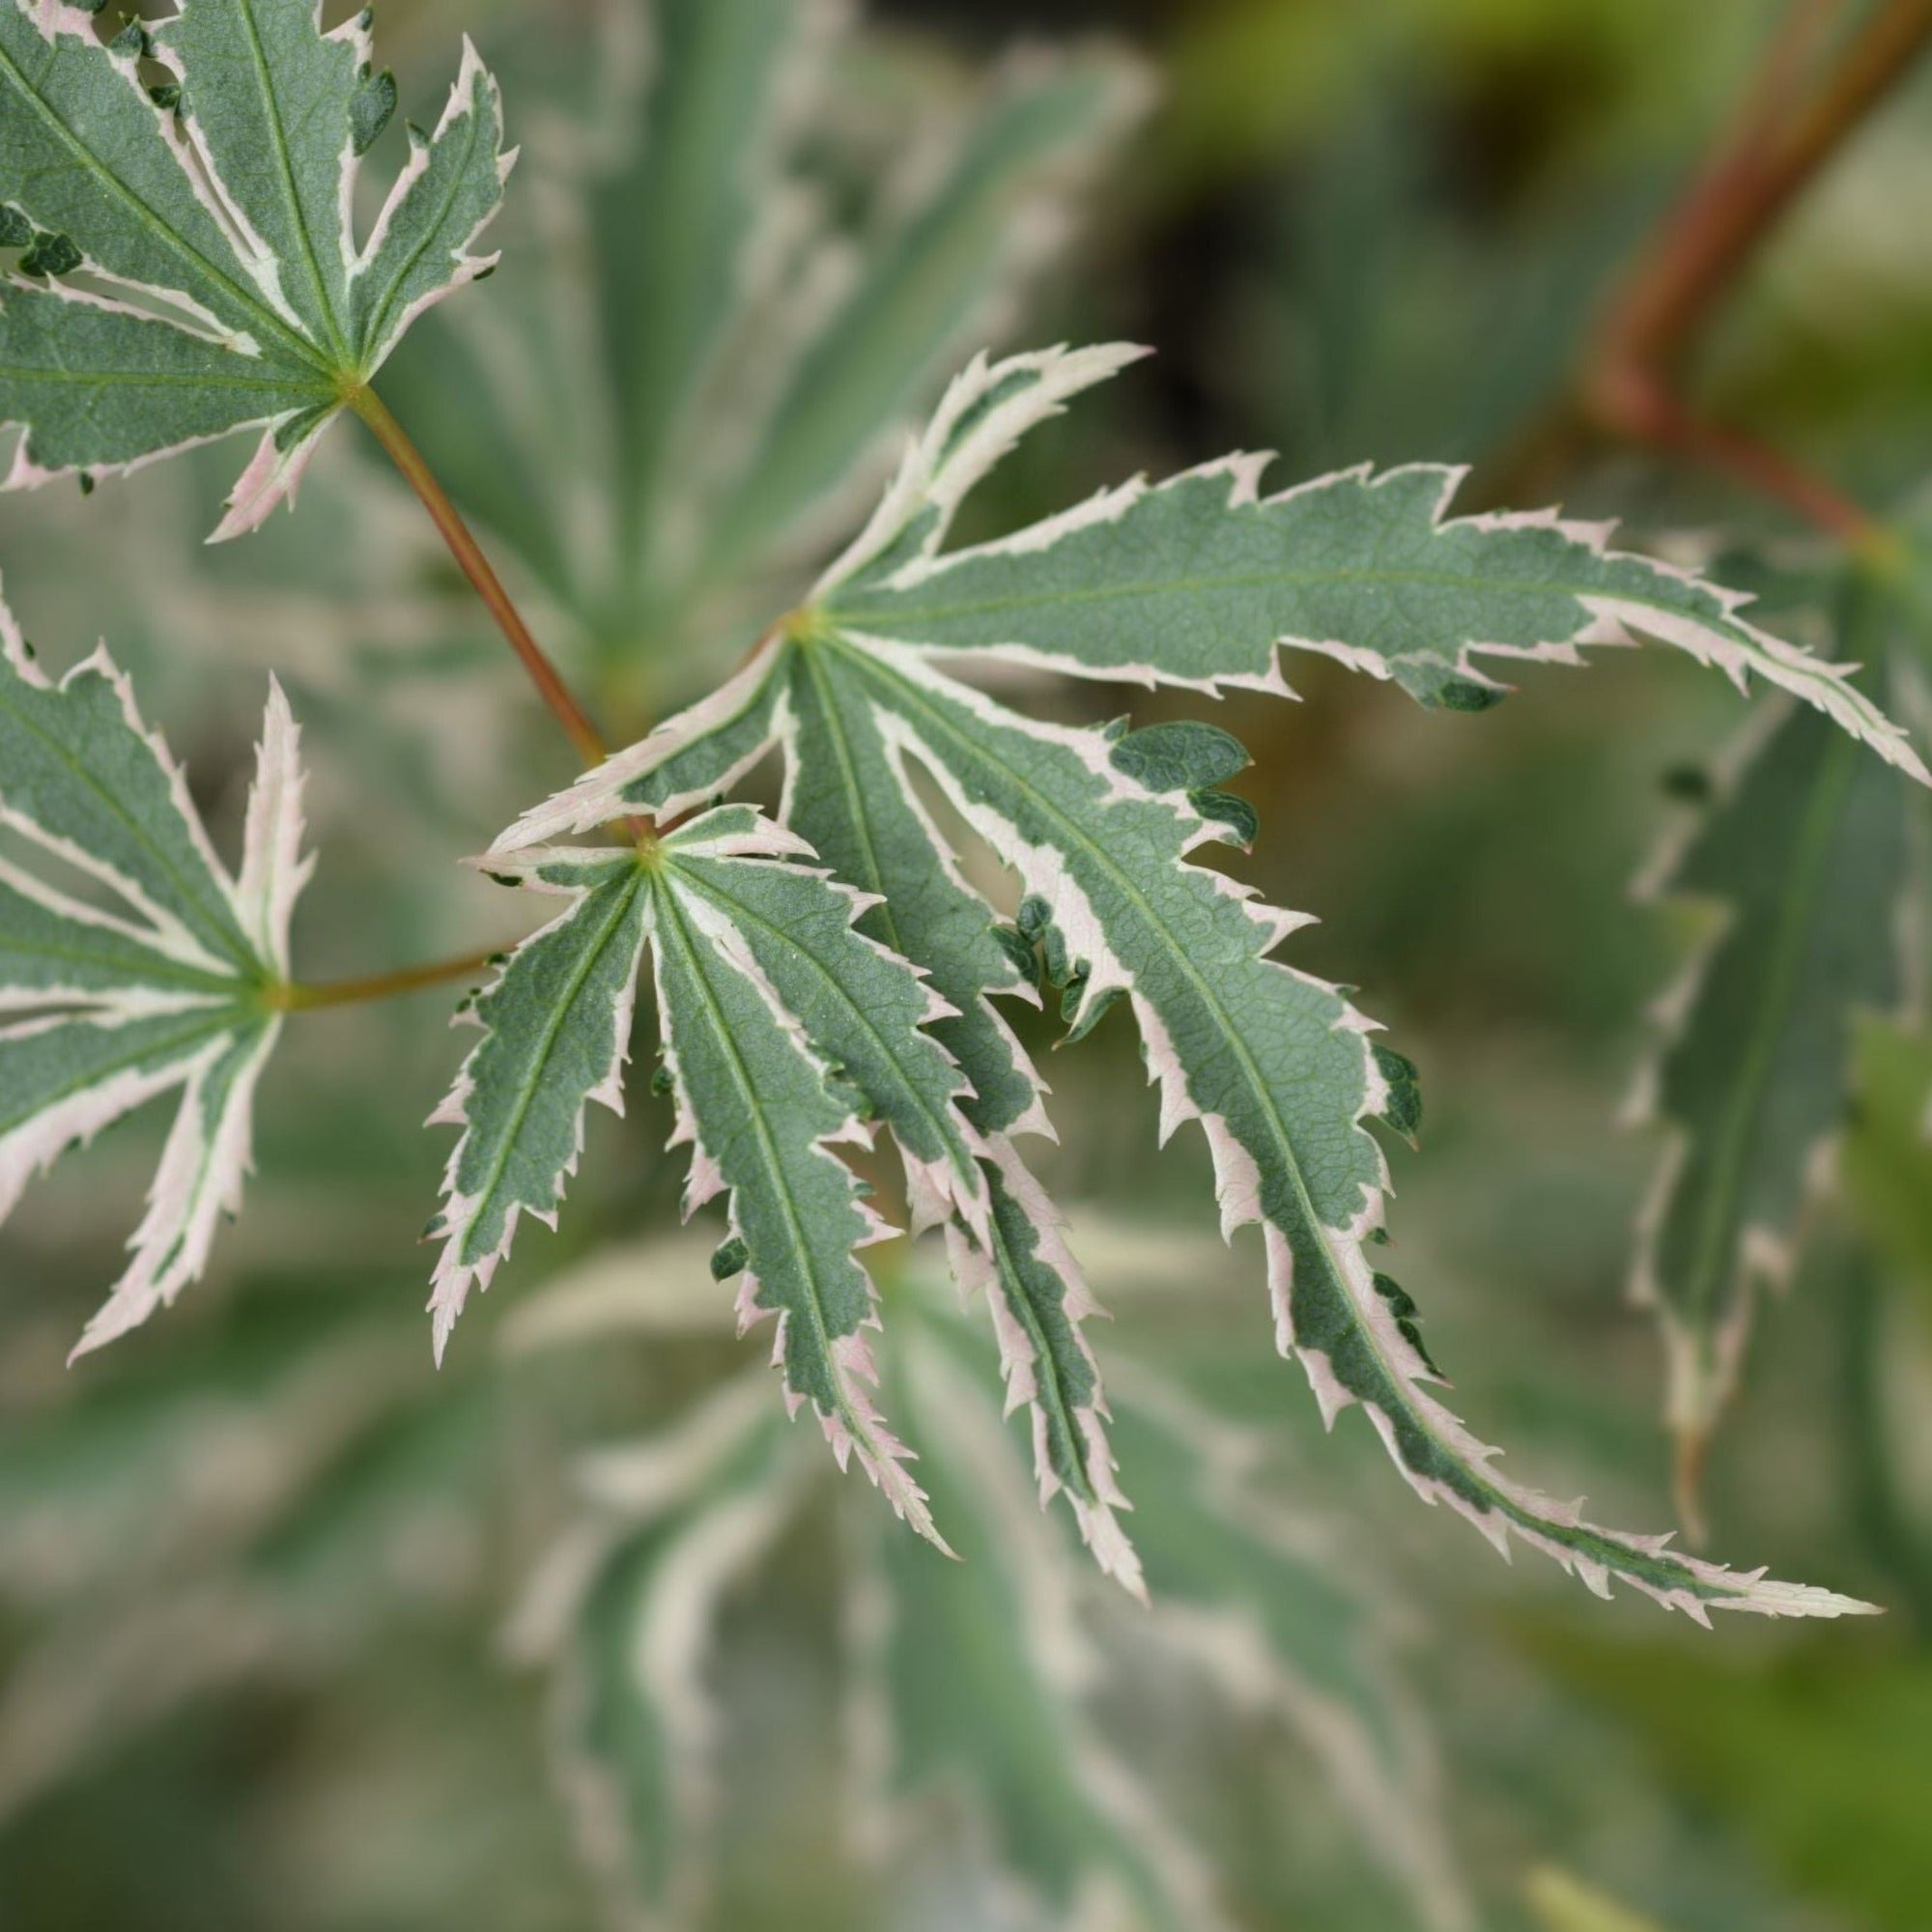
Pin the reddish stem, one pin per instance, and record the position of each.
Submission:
(475, 566)
(1630, 387)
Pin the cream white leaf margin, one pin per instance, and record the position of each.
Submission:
(1279, 1069)
(171, 987)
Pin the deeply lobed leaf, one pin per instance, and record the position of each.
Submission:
(208, 277)
(1279, 1069)
(167, 986)
(1801, 864)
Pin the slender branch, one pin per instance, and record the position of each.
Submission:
(1630, 385)
(384, 987)
(475, 566)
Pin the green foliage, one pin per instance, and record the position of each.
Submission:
(1802, 864)
(1277, 1065)
(1027, 1720)
(730, 305)
(735, 286)
(1887, 1155)
(166, 980)
(192, 269)
(1817, 1761)
(1565, 1904)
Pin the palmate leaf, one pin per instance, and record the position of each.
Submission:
(760, 976)
(1801, 862)
(627, 1611)
(1279, 1069)
(167, 983)
(736, 305)
(186, 196)
(789, 1027)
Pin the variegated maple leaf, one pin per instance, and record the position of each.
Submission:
(1200, 583)
(183, 197)
(788, 1032)
(165, 980)
(1800, 864)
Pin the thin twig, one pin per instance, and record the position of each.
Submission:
(475, 566)
(1630, 384)
(383, 985)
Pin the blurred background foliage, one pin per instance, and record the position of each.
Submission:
(266, 1654)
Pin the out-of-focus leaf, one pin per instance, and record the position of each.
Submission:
(979, 1686)
(249, 1511)
(706, 347)
(975, 1678)
(624, 1611)
(1801, 863)
(1886, 1161)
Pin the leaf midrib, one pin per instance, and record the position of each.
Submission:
(101, 379)
(1054, 1399)
(814, 1309)
(161, 970)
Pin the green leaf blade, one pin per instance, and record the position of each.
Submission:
(271, 97)
(196, 268)
(81, 776)
(170, 986)
(104, 388)
(1201, 582)
(58, 954)
(86, 153)
(1804, 861)
(763, 1116)
(865, 1008)
(421, 251)
(556, 1024)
